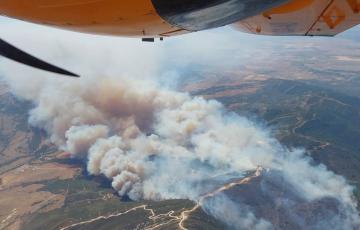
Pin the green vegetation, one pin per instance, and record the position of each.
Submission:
(200, 220)
(73, 186)
(305, 115)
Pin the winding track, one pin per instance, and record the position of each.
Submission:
(184, 215)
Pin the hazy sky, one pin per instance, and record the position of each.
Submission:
(81, 52)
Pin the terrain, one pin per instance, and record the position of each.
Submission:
(42, 188)
(306, 92)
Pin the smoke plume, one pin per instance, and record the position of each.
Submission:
(156, 143)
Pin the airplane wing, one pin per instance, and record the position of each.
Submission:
(305, 18)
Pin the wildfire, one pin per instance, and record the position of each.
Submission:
(185, 214)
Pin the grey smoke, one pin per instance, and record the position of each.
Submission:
(156, 143)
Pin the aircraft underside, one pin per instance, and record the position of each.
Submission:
(163, 18)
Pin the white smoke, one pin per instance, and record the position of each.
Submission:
(155, 143)
(159, 144)
(235, 215)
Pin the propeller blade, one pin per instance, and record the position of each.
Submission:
(9, 51)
